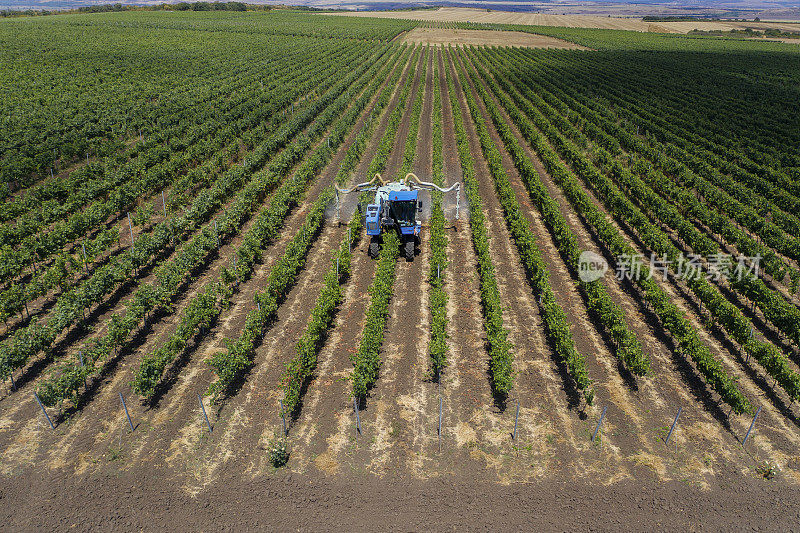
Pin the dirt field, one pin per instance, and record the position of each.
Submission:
(443, 36)
(461, 14)
(122, 500)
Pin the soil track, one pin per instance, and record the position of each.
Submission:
(125, 501)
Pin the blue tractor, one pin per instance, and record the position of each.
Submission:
(395, 208)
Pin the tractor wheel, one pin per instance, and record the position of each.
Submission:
(374, 249)
(409, 249)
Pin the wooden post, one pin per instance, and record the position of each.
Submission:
(516, 422)
(130, 225)
(439, 431)
(283, 415)
(358, 418)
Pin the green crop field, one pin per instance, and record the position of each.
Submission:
(168, 233)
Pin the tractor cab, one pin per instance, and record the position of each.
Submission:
(401, 209)
(395, 208)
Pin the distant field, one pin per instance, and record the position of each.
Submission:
(485, 37)
(459, 14)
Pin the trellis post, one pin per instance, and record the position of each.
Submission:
(203, 408)
(599, 423)
(672, 428)
(752, 424)
(44, 410)
(130, 423)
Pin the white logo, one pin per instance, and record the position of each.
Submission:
(591, 266)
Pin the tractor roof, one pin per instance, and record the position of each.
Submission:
(395, 191)
(402, 195)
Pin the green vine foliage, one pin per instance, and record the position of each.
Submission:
(685, 334)
(232, 364)
(500, 355)
(611, 317)
(196, 252)
(300, 370)
(438, 261)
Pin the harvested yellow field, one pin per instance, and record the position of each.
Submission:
(461, 14)
(686, 27)
(451, 36)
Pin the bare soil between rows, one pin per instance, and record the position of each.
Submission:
(127, 501)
